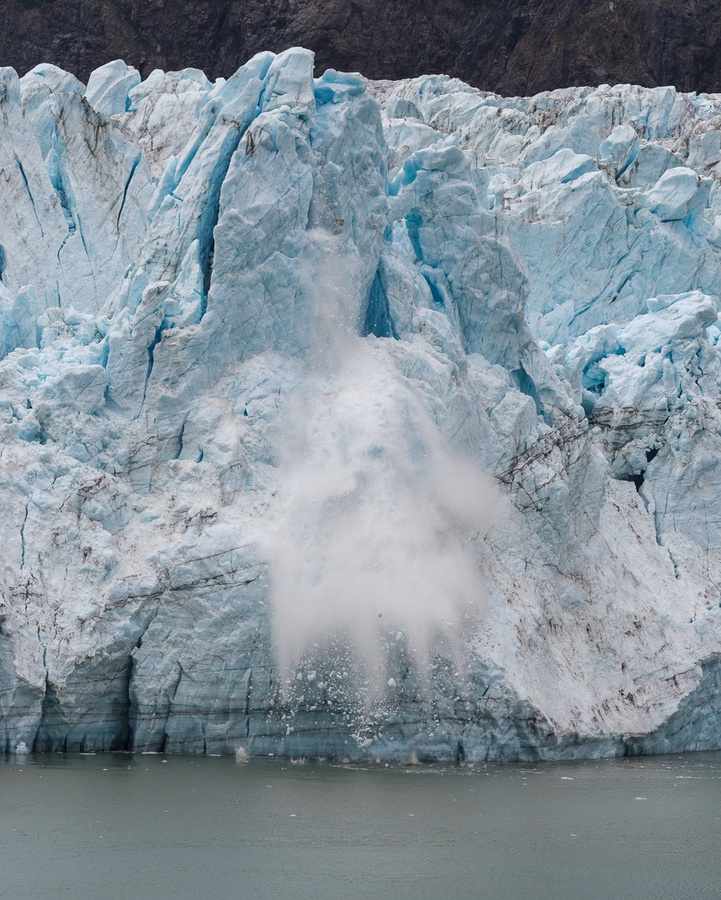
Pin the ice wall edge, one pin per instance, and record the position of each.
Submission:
(375, 420)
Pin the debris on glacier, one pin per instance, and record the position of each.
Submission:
(359, 419)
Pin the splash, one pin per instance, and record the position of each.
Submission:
(373, 568)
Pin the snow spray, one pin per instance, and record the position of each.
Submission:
(372, 563)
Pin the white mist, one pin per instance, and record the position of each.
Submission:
(373, 526)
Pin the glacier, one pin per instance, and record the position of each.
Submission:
(369, 420)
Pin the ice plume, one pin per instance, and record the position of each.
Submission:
(372, 556)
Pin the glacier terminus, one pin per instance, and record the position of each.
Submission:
(369, 420)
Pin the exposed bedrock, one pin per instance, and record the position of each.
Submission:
(515, 47)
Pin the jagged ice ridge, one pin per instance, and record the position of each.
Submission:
(361, 419)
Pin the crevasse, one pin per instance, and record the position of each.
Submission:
(373, 420)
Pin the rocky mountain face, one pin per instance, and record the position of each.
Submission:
(516, 47)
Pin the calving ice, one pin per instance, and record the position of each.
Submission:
(358, 419)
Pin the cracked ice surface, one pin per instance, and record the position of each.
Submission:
(355, 418)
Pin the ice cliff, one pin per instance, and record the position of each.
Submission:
(361, 419)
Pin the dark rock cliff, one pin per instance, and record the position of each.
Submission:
(514, 47)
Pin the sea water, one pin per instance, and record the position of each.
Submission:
(152, 826)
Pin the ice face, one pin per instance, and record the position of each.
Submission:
(357, 419)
